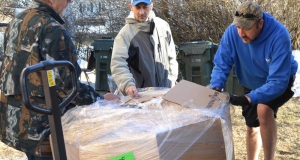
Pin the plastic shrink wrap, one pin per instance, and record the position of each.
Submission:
(153, 130)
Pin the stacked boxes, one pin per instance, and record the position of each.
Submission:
(160, 128)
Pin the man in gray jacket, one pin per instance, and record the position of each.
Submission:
(143, 52)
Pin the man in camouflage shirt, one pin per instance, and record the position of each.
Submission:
(35, 35)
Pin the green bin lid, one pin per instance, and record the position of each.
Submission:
(103, 44)
(196, 47)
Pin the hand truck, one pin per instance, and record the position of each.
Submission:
(52, 102)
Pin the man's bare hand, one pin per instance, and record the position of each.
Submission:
(132, 91)
(110, 97)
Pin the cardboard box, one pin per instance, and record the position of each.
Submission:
(190, 122)
(188, 93)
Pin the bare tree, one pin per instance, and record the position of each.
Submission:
(191, 20)
(286, 12)
(208, 19)
(93, 19)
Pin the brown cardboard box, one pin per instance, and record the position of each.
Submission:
(198, 96)
(173, 130)
(207, 146)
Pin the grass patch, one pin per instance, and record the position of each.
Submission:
(288, 122)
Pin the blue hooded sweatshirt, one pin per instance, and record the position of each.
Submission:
(264, 65)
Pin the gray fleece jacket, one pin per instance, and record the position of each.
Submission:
(141, 59)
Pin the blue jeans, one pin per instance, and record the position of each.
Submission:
(32, 157)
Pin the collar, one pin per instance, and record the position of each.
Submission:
(48, 9)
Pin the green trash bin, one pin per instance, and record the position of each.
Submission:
(195, 59)
(232, 85)
(102, 54)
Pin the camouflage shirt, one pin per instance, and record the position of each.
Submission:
(35, 35)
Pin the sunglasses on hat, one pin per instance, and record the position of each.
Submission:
(246, 15)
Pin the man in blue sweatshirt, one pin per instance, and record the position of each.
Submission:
(260, 49)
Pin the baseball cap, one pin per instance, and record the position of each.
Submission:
(246, 14)
(135, 2)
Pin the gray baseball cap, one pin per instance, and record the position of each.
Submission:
(247, 13)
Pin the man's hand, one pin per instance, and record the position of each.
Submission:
(239, 100)
(132, 91)
(217, 89)
(110, 97)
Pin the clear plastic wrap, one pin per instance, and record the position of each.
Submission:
(113, 88)
(155, 129)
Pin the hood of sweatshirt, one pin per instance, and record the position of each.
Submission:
(268, 28)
